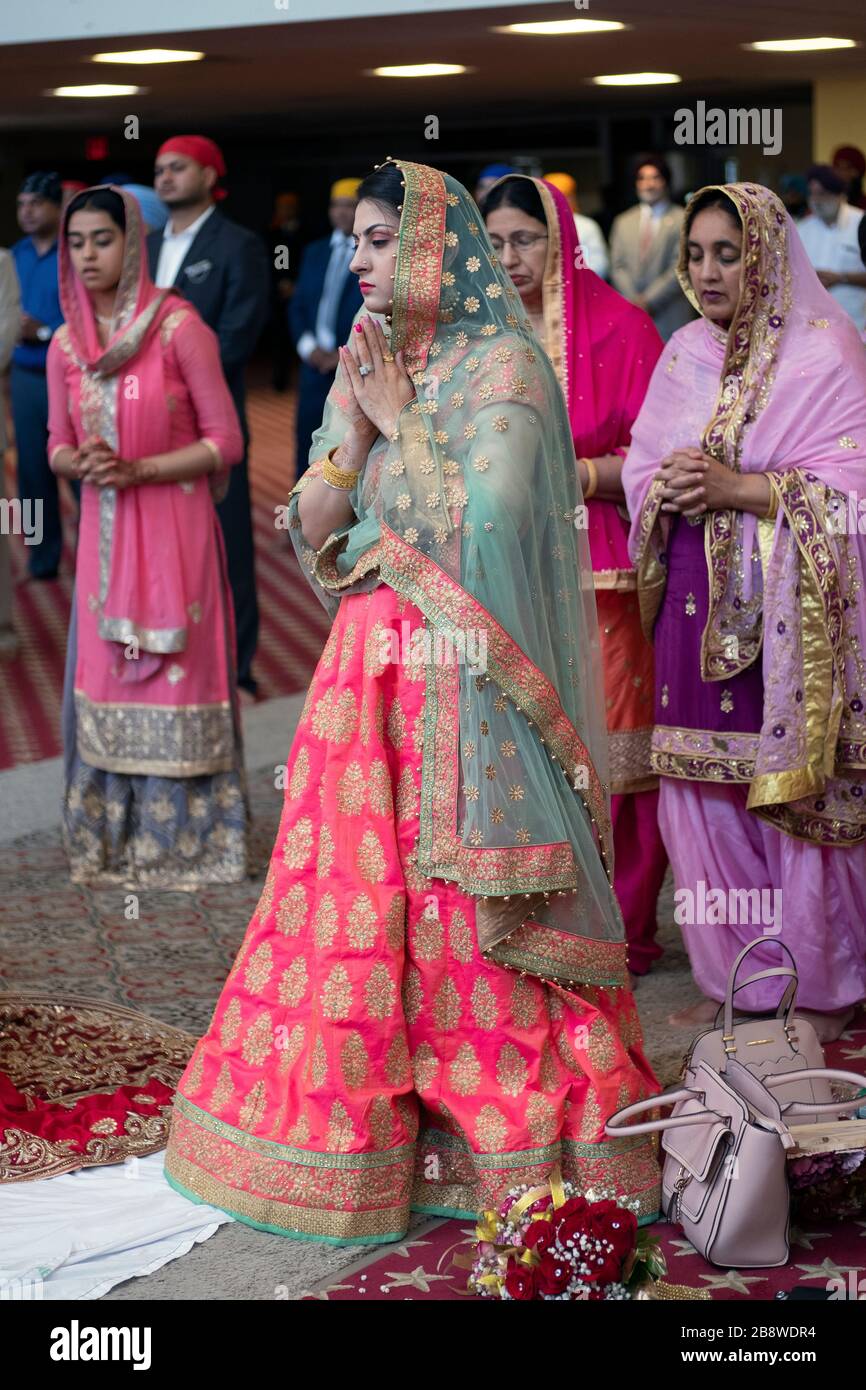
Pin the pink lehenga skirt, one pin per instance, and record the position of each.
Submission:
(364, 1059)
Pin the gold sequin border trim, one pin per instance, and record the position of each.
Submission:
(285, 1217)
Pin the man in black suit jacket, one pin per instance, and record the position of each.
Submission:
(222, 269)
(321, 311)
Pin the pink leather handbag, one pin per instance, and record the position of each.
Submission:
(766, 1045)
(724, 1180)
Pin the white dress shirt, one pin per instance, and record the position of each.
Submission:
(834, 246)
(592, 244)
(174, 248)
(325, 336)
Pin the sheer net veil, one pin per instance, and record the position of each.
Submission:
(473, 511)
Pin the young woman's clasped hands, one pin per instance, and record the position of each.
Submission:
(695, 483)
(378, 378)
(379, 387)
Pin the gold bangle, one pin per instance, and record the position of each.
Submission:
(338, 477)
(773, 511)
(592, 485)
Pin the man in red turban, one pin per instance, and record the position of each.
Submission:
(222, 269)
(850, 164)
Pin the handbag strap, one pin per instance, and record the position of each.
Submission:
(786, 1003)
(640, 1107)
(789, 996)
(824, 1107)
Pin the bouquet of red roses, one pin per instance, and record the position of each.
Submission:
(553, 1242)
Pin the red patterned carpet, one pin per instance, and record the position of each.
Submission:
(293, 623)
(422, 1266)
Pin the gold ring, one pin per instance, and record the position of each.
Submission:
(387, 357)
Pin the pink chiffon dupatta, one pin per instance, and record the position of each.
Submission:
(783, 392)
(143, 590)
(604, 350)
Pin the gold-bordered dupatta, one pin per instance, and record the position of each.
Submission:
(470, 514)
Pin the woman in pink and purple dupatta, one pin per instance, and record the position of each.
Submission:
(603, 350)
(140, 412)
(742, 480)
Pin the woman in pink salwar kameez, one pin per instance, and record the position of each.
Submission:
(603, 350)
(431, 1002)
(743, 480)
(140, 412)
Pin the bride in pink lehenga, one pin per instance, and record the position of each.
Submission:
(431, 1002)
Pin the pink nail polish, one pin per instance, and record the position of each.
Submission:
(359, 328)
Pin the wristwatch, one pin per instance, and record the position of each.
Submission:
(44, 333)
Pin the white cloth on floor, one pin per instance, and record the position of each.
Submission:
(77, 1235)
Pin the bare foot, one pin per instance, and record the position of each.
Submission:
(828, 1027)
(696, 1016)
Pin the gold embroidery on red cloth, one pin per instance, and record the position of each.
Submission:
(362, 923)
(259, 968)
(336, 995)
(298, 844)
(412, 994)
(300, 774)
(354, 1061)
(351, 791)
(379, 788)
(258, 1040)
(318, 1063)
(485, 1006)
(370, 858)
(447, 1005)
(425, 1067)
(325, 860)
(292, 910)
(326, 922)
(512, 1070)
(380, 992)
(231, 1022)
(294, 982)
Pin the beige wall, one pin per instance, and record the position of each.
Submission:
(838, 114)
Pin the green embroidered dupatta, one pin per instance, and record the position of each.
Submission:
(474, 514)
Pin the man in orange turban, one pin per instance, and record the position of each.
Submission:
(589, 233)
(222, 269)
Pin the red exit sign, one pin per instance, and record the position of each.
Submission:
(96, 147)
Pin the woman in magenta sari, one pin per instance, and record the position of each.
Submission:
(140, 412)
(431, 1003)
(603, 350)
(744, 473)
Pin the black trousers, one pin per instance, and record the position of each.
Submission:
(236, 519)
(36, 483)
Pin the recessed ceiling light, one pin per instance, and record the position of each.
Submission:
(96, 89)
(419, 70)
(150, 55)
(798, 45)
(561, 26)
(636, 79)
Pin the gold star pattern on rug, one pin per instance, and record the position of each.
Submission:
(406, 1246)
(418, 1278)
(805, 1238)
(733, 1280)
(828, 1270)
(685, 1248)
(322, 1295)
